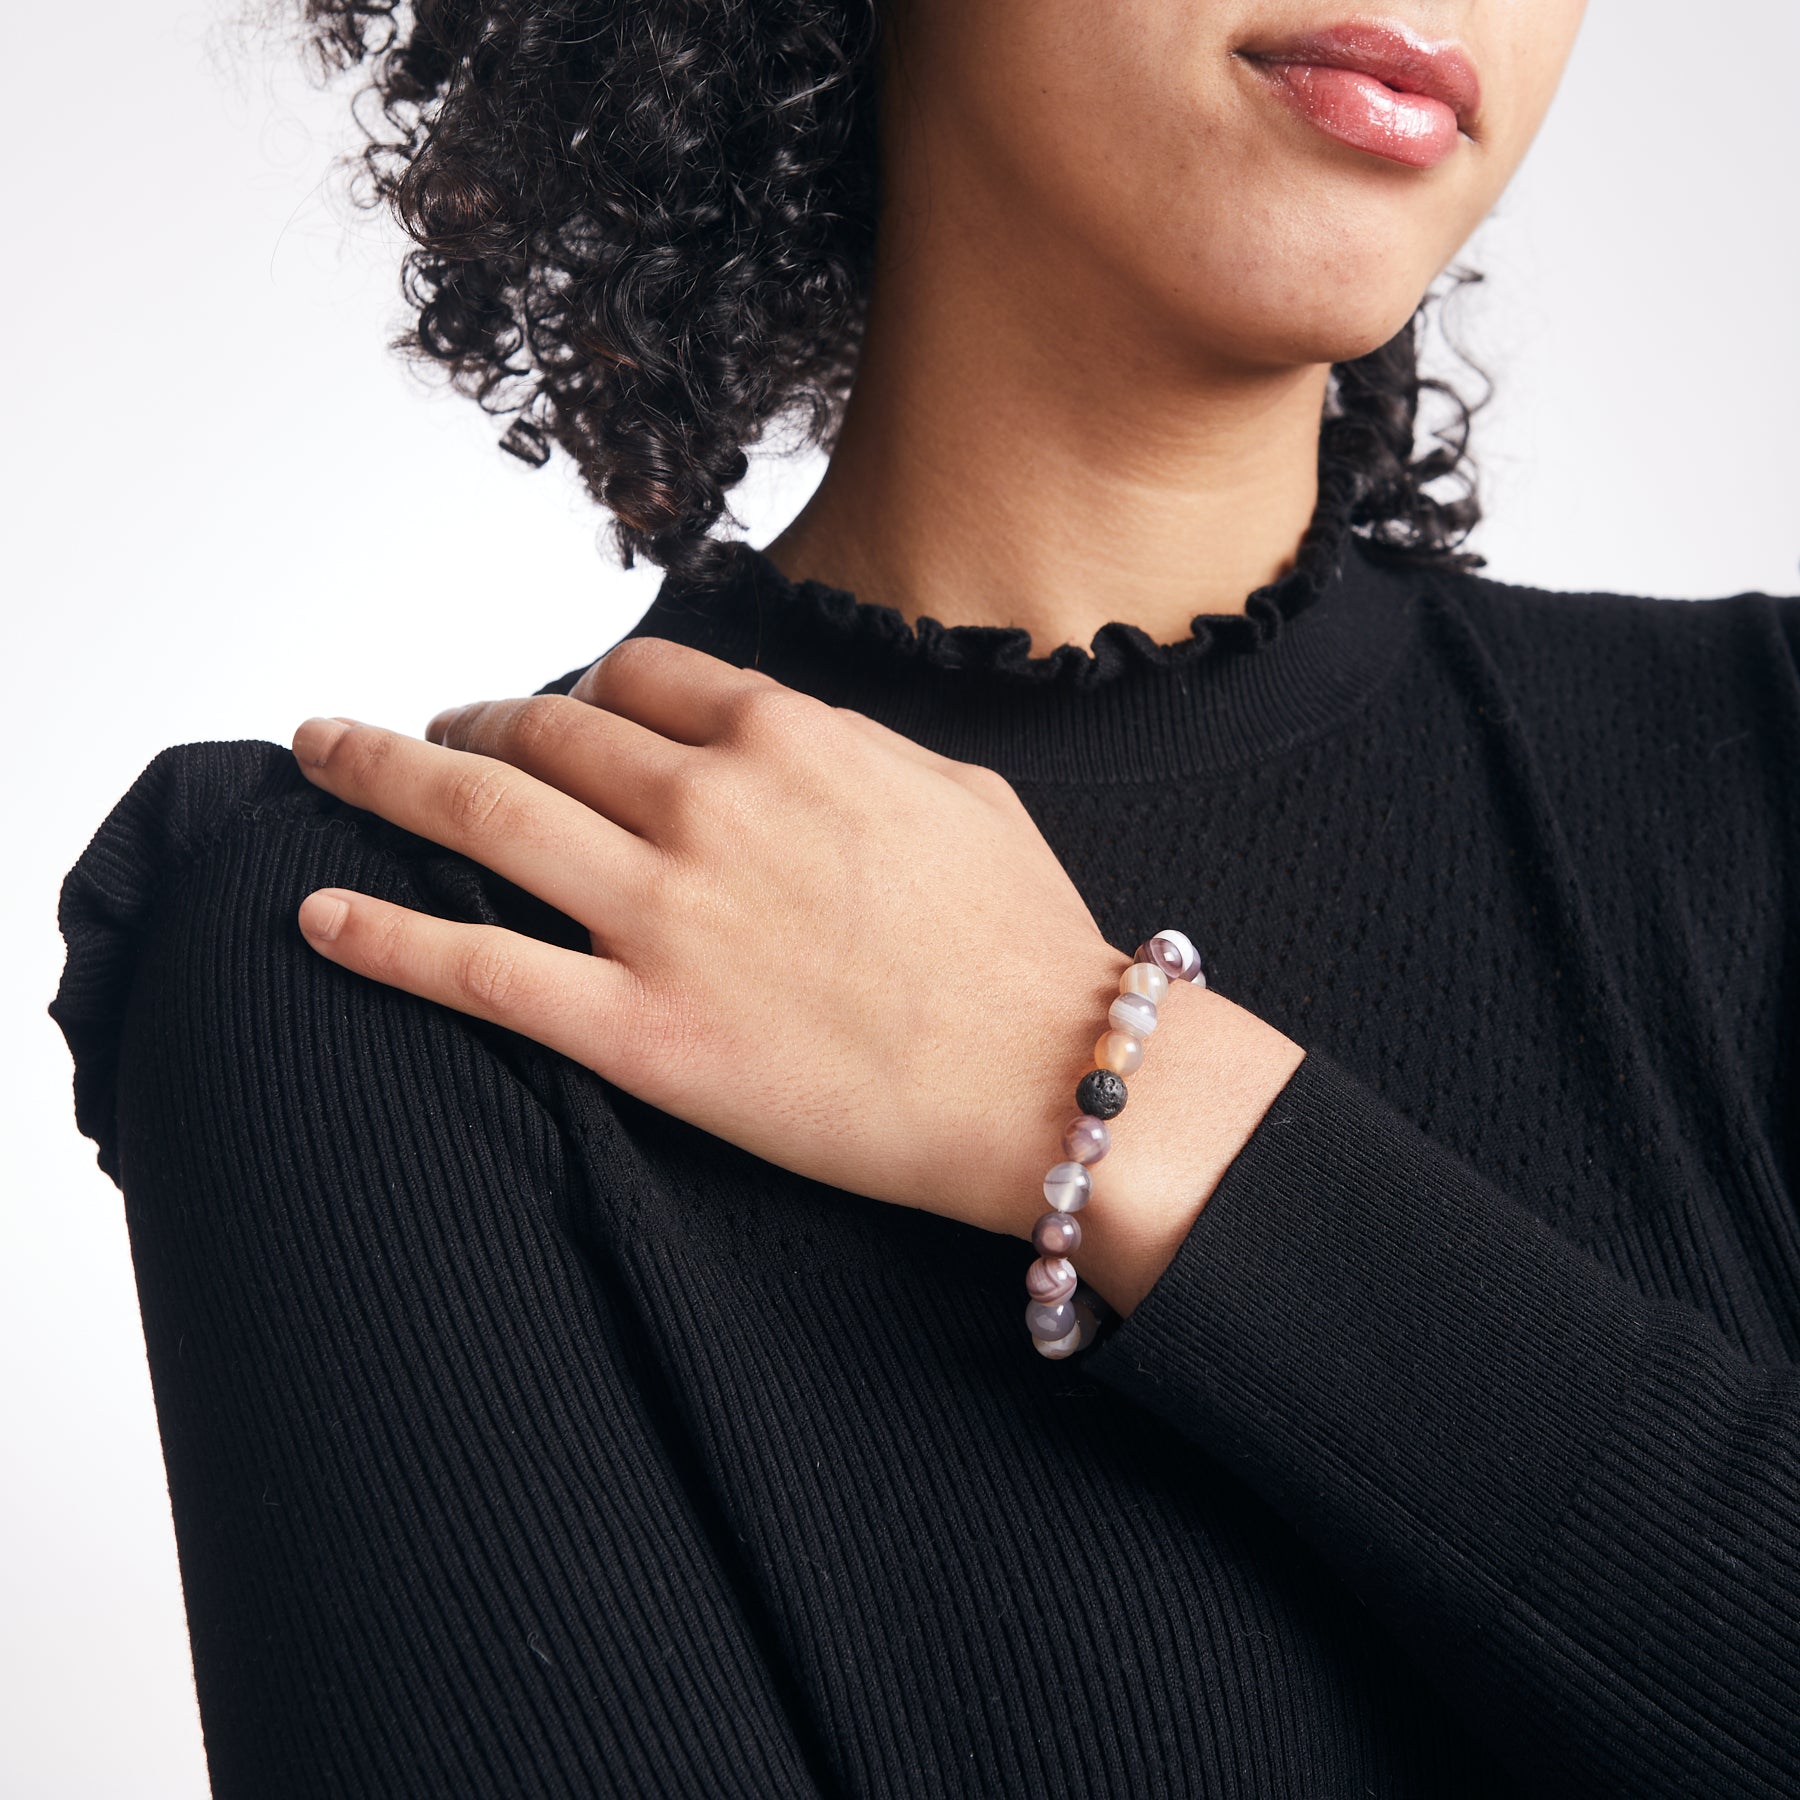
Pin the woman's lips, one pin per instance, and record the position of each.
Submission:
(1407, 128)
(1376, 86)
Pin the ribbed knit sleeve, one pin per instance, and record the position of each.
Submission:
(1576, 1506)
(433, 1539)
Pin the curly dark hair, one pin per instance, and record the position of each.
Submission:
(647, 232)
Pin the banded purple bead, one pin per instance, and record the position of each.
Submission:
(1173, 952)
(1050, 1319)
(1050, 1278)
(1086, 1139)
(1056, 1234)
(1057, 1348)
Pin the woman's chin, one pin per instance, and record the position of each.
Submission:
(1269, 338)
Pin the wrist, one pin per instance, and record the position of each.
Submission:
(1210, 1073)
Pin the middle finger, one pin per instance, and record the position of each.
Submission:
(612, 764)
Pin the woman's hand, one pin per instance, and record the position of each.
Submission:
(811, 936)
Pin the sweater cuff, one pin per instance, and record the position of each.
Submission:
(1411, 1366)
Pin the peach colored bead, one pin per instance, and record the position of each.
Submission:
(1119, 1051)
(1146, 979)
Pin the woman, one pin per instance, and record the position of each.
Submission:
(578, 1163)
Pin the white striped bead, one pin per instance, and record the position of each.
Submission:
(1132, 1014)
(1068, 1186)
(1146, 979)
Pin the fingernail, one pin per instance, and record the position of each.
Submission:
(313, 741)
(322, 915)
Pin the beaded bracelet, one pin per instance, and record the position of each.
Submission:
(1065, 1315)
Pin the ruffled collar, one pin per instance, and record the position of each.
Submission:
(1002, 653)
(1307, 648)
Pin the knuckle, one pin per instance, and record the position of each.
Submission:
(990, 782)
(476, 796)
(360, 753)
(624, 653)
(987, 782)
(667, 1030)
(774, 712)
(384, 946)
(688, 786)
(626, 656)
(599, 676)
(538, 725)
(489, 975)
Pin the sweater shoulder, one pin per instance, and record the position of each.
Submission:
(1634, 651)
(187, 893)
(1662, 734)
(186, 802)
(1689, 709)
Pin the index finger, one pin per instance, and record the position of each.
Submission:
(537, 837)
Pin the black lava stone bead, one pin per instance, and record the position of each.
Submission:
(1101, 1093)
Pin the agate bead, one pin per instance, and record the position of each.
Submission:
(1086, 1139)
(1068, 1186)
(1119, 1052)
(1147, 979)
(1133, 1014)
(1050, 1278)
(1173, 952)
(1050, 1319)
(1160, 955)
(1057, 1348)
(1056, 1234)
(1087, 1323)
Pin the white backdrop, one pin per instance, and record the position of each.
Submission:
(223, 497)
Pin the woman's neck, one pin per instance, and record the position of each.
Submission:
(1016, 451)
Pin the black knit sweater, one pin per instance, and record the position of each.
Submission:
(523, 1440)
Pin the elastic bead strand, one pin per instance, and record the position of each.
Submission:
(1063, 1315)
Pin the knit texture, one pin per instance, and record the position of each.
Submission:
(524, 1440)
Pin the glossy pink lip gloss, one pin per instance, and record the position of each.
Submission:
(1358, 109)
(1375, 84)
